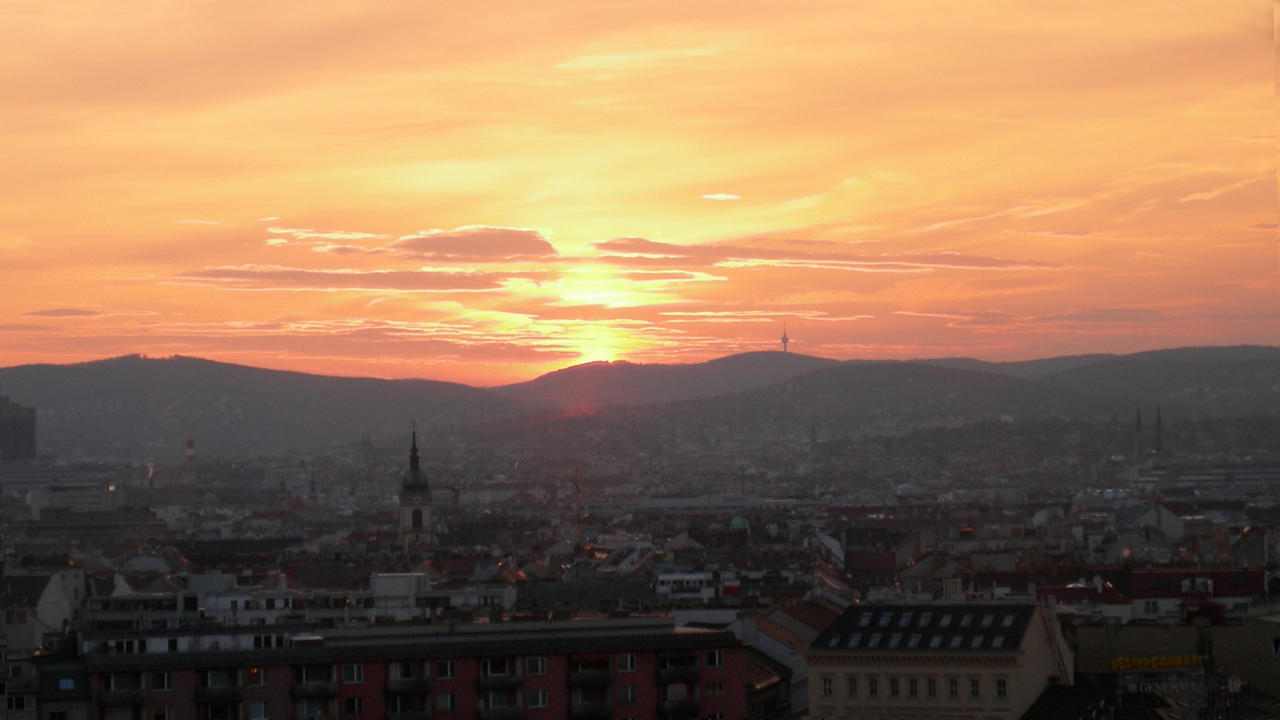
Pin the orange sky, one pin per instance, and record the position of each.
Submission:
(483, 191)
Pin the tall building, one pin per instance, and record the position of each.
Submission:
(415, 501)
(17, 430)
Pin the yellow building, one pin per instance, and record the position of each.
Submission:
(963, 660)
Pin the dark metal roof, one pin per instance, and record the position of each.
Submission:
(951, 628)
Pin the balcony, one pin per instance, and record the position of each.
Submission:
(117, 698)
(408, 686)
(230, 693)
(678, 673)
(506, 713)
(315, 689)
(591, 710)
(675, 709)
(499, 682)
(590, 677)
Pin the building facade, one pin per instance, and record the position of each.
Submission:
(927, 661)
(608, 669)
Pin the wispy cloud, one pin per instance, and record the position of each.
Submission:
(64, 313)
(721, 196)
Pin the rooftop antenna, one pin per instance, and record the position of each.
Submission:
(785, 339)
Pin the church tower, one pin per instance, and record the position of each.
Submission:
(415, 501)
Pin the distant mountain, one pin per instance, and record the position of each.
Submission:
(1028, 369)
(891, 398)
(1185, 382)
(602, 384)
(874, 397)
(140, 408)
(146, 408)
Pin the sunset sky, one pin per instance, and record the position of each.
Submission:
(484, 191)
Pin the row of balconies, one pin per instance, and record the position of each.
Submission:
(320, 689)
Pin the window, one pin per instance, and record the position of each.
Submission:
(874, 642)
(626, 662)
(893, 687)
(444, 670)
(935, 641)
(914, 642)
(256, 676)
(444, 702)
(913, 688)
(966, 620)
(537, 698)
(173, 645)
(1151, 607)
(352, 706)
(1007, 621)
(988, 619)
(864, 619)
(884, 619)
(826, 687)
(925, 617)
(713, 691)
(21, 702)
(161, 682)
(1002, 689)
(904, 619)
(159, 713)
(535, 665)
(976, 642)
(352, 674)
(495, 700)
(494, 667)
(714, 658)
(953, 688)
(895, 640)
(854, 639)
(57, 715)
(873, 686)
(64, 683)
(997, 641)
(956, 640)
(975, 688)
(931, 688)
(627, 694)
(258, 711)
(945, 621)
(852, 690)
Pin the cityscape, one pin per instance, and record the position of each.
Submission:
(692, 559)
(639, 360)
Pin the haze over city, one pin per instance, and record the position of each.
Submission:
(483, 192)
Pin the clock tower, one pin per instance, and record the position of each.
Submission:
(415, 501)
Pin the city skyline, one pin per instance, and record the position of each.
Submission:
(487, 193)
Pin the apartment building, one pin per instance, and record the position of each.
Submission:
(607, 669)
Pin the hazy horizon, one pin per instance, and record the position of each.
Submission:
(170, 356)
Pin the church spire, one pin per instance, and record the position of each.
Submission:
(413, 450)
